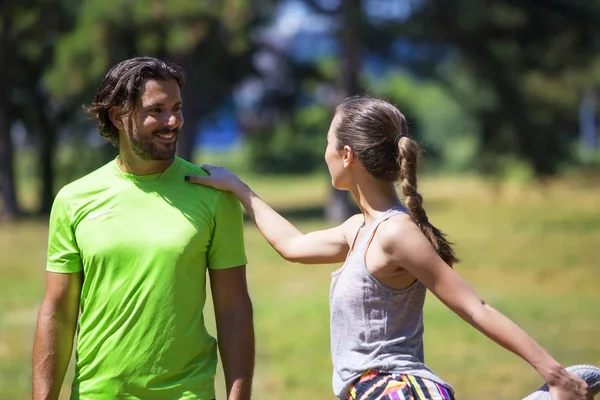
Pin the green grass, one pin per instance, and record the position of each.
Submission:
(532, 252)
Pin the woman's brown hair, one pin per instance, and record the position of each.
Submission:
(377, 133)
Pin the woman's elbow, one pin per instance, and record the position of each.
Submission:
(291, 257)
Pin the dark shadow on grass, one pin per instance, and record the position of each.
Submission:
(310, 212)
(298, 213)
(25, 216)
(317, 212)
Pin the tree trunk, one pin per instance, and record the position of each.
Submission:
(350, 38)
(339, 208)
(46, 127)
(186, 142)
(10, 209)
(192, 111)
(10, 206)
(46, 167)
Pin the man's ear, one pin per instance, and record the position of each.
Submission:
(348, 156)
(115, 117)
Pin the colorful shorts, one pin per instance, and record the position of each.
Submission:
(373, 385)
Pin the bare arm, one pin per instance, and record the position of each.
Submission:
(56, 325)
(414, 253)
(320, 247)
(235, 329)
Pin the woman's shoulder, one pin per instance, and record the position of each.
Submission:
(355, 219)
(353, 223)
(351, 226)
(399, 228)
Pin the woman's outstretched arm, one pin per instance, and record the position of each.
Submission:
(319, 247)
(402, 241)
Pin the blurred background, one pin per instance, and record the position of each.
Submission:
(503, 95)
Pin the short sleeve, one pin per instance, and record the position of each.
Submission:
(63, 252)
(226, 248)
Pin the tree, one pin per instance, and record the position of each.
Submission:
(26, 32)
(211, 40)
(530, 58)
(10, 208)
(41, 115)
(350, 36)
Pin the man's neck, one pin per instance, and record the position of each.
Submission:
(131, 164)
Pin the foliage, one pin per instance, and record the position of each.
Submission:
(294, 146)
(108, 32)
(448, 134)
(491, 87)
(526, 63)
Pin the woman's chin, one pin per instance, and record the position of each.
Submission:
(336, 185)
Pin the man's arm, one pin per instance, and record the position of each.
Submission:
(235, 329)
(56, 325)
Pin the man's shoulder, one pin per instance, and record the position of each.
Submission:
(206, 192)
(87, 184)
(218, 198)
(191, 168)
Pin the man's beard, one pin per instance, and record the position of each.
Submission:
(147, 149)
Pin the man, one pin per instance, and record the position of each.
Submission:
(129, 247)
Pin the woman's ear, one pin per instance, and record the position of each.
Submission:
(115, 117)
(348, 156)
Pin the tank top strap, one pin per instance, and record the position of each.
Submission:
(371, 231)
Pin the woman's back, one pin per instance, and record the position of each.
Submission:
(374, 327)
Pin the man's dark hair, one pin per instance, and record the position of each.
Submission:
(121, 87)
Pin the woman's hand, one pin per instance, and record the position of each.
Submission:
(568, 386)
(219, 178)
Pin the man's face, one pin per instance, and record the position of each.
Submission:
(154, 125)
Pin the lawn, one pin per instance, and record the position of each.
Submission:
(532, 252)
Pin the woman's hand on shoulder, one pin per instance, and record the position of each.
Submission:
(218, 178)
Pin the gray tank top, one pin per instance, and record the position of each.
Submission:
(374, 327)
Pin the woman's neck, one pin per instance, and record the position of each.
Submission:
(374, 197)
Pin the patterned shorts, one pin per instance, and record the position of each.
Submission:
(373, 385)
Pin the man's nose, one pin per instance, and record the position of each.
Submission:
(172, 120)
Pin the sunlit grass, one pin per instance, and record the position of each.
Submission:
(532, 252)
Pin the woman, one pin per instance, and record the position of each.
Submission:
(392, 255)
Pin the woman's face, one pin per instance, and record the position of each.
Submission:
(334, 157)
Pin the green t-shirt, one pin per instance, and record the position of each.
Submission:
(144, 244)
